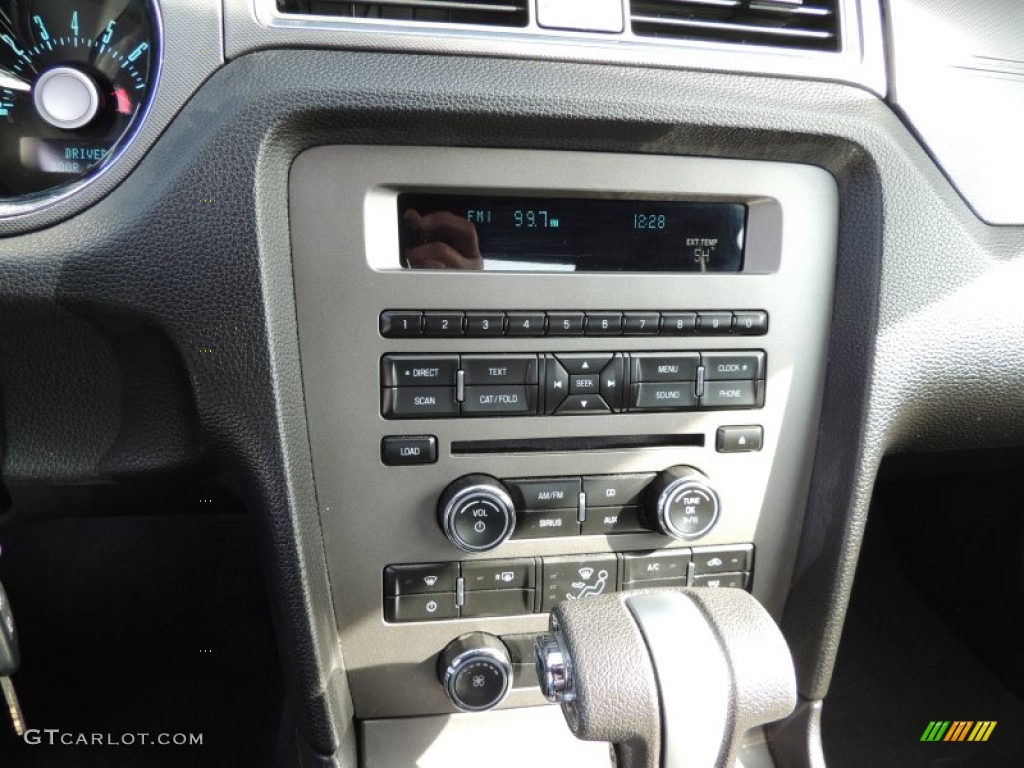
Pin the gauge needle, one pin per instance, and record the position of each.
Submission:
(14, 83)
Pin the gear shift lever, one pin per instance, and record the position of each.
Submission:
(672, 678)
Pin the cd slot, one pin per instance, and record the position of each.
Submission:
(575, 444)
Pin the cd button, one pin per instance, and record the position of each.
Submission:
(615, 490)
(419, 370)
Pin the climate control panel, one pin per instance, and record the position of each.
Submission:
(476, 589)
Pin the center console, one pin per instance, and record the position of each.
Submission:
(571, 374)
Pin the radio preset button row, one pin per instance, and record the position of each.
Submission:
(404, 324)
(486, 588)
(421, 386)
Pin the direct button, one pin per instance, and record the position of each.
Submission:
(506, 369)
(549, 493)
(418, 370)
(420, 579)
(408, 451)
(733, 366)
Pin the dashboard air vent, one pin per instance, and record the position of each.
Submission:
(803, 24)
(494, 13)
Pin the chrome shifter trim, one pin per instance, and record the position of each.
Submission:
(695, 734)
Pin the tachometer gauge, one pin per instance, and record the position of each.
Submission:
(76, 78)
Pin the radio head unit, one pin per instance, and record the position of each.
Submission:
(565, 234)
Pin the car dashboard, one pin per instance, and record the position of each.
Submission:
(471, 309)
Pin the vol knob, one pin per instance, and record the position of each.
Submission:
(476, 671)
(476, 513)
(681, 503)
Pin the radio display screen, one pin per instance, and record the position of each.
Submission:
(558, 234)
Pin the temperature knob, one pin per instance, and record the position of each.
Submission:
(476, 513)
(681, 503)
(476, 671)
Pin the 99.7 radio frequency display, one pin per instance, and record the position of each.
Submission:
(556, 234)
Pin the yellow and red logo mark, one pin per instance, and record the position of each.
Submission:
(958, 730)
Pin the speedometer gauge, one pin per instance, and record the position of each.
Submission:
(76, 78)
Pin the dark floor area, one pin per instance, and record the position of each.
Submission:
(935, 629)
(142, 625)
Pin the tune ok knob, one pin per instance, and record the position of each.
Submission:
(681, 503)
(476, 671)
(476, 513)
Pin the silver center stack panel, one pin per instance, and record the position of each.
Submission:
(346, 244)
